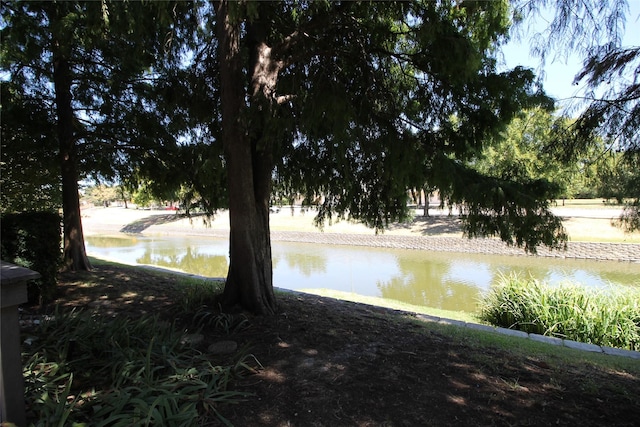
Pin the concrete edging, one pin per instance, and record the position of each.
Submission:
(594, 348)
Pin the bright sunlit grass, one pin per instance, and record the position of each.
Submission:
(393, 304)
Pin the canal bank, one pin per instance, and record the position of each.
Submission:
(438, 233)
(161, 223)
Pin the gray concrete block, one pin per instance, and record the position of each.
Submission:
(621, 352)
(545, 339)
(582, 346)
(427, 318)
(480, 327)
(453, 322)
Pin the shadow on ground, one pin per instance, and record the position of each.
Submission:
(432, 225)
(325, 362)
(142, 224)
(112, 291)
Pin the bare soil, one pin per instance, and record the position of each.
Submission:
(325, 362)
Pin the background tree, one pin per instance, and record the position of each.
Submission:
(29, 172)
(526, 151)
(123, 195)
(530, 149)
(87, 62)
(615, 177)
(611, 106)
(101, 194)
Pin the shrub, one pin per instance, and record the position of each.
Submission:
(608, 317)
(81, 369)
(196, 293)
(33, 240)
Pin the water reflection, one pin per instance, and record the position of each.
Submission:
(444, 280)
(202, 257)
(307, 264)
(191, 261)
(111, 242)
(435, 283)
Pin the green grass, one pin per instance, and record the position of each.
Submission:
(394, 305)
(529, 349)
(598, 203)
(607, 317)
(195, 293)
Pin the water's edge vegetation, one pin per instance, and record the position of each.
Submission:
(606, 317)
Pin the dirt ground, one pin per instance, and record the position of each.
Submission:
(325, 362)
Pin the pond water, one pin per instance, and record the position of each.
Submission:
(450, 281)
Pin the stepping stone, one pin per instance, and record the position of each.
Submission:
(223, 347)
(192, 339)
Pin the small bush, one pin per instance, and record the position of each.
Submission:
(608, 317)
(198, 300)
(195, 293)
(33, 240)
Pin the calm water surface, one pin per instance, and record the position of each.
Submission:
(451, 281)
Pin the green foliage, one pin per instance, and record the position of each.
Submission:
(143, 196)
(198, 300)
(101, 194)
(516, 212)
(608, 317)
(389, 109)
(610, 106)
(29, 168)
(630, 218)
(372, 98)
(197, 293)
(120, 372)
(526, 151)
(375, 93)
(616, 175)
(618, 179)
(110, 47)
(594, 30)
(32, 240)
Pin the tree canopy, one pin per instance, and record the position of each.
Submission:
(85, 66)
(611, 106)
(347, 103)
(29, 170)
(353, 103)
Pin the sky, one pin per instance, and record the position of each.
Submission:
(559, 75)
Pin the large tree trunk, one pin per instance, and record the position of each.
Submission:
(249, 165)
(74, 252)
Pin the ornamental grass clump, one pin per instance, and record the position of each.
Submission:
(81, 369)
(608, 317)
(193, 294)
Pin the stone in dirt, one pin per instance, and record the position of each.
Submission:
(223, 347)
